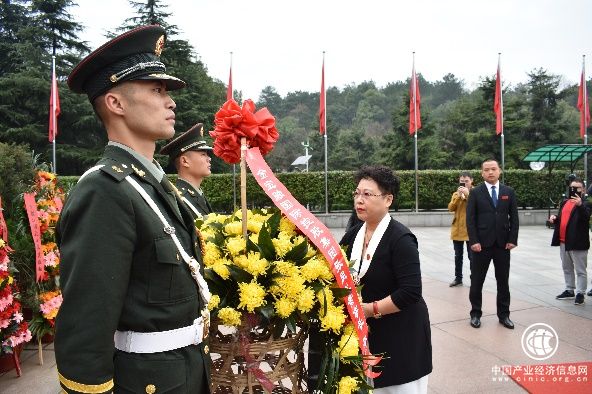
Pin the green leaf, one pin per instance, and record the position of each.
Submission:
(297, 253)
(291, 324)
(252, 246)
(267, 311)
(239, 274)
(265, 244)
(278, 328)
(339, 292)
(274, 223)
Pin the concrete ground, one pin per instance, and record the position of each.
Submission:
(464, 358)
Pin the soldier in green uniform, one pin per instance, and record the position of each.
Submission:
(190, 155)
(134, 316)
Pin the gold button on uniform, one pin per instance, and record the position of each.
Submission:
(151, 389)
(206, 349)
(178, 257)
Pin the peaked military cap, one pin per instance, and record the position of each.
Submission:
(192, 139)
(130, 56)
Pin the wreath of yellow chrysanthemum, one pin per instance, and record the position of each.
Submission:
(251, 296)
(211, 254)
(282, 244)
(253, 263)
(230, 316)
(287, 227)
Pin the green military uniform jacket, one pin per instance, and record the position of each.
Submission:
(121, 271)
(196, 199)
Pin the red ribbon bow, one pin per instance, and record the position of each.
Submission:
(233, 122)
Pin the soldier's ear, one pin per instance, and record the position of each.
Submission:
(113, 103)
(183, 161)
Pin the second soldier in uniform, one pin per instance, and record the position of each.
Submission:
(189, 153)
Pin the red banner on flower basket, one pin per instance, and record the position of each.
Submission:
(3, 228)
(31, 208)
(322, 238)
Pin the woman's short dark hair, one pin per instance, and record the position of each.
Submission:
(386, 179)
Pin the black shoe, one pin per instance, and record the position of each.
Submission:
(589, 294)
(567, 294)
(579, 299)
(475, 322)
(506, 322)
(456, 282)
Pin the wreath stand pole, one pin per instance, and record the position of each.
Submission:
(40, 353)
(243, 184)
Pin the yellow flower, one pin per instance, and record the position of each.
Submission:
(348, 344)
(333, 320)
(236, 245)
(252, 263)
(282, 244)
(316, 269)
(251, 295)
(288, 286)
(306, 300)
(207, 233)
(285, 268)
(234, 228)
(230, 316)
(254, 226)
(286, 226)
(214, 302)
(211, 254)
(347, 385)
(325, 294)
(1, 243)
(284, 307)
(221, 268)
(254, 238)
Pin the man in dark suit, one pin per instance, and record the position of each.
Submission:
(492, 223)
(189, 153)
(134, 316)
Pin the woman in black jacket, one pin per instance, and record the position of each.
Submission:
(386, 261)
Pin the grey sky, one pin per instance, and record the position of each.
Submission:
(280, 43)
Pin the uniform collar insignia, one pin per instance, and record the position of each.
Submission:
(140, 173)
(124, 166)
(117, 168)
(191, 192)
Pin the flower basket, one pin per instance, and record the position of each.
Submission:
(245, 358)
(7, 360)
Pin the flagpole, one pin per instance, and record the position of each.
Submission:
(414, 90)
(230, 93)
(502, 140)
(53, 112)
(325, 137)
(585, 101)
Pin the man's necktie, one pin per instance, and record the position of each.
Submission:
(494, 196)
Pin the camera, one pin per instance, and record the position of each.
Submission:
(573, 191)
(461, 184)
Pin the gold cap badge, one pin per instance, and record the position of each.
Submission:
(159, 46)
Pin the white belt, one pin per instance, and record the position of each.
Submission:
(162, 341)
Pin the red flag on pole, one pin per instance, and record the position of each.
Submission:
(229, 94)
(414, 104)
(54, 108)
(498, 104)
(322, 106)
(583, 105)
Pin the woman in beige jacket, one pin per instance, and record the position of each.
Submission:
(458, 229)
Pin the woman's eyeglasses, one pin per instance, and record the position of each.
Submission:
(365, 195)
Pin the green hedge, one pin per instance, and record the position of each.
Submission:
(435, 188)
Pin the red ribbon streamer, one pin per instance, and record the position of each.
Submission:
(3, 227)
(31, 208)
(320, 235)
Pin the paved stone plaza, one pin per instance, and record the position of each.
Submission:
(464, 358)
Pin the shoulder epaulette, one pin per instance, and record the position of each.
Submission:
(118, 170)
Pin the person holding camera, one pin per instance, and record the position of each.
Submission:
(571, 235)
(458, 229)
